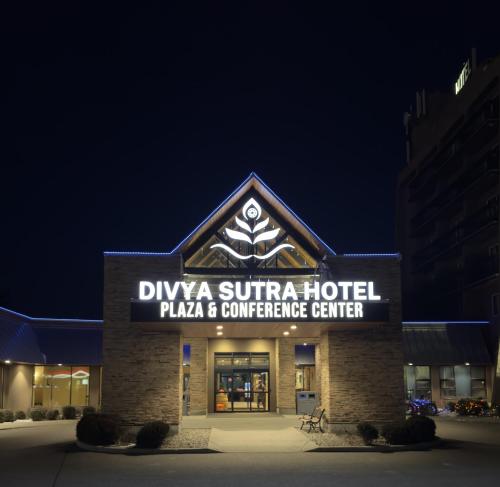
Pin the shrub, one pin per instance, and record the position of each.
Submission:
(20, 415)
(98, 429)
(38, 414)
(88, 410)
(368, 432)
(152, 434)
(6, 416)
(52, 414)
(397, 433)
(471, 407)
(421, 428)
(69, 412)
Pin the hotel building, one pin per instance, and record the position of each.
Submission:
(251, 312)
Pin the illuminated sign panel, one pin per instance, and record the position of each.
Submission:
(463, 77)
(249, 301)
(250, 232)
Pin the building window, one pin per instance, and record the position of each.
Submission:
(478, 382)
(418, 381)
(447, 381)
(305, 367)
(55, 386)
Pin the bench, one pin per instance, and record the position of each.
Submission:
(313, 420)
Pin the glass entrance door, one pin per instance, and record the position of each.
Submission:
(238, 386)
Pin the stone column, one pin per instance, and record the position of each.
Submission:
(198, 375)
(95, 386)
(317, 368)
(363, 377)
(285, 375)
(142, 367)
(436, 385)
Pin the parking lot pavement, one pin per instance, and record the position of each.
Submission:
(44, 457)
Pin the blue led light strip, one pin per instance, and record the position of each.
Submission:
(373, 255)
(125, 252)
(31, 318)
(445, 322)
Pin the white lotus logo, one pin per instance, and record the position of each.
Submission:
(251, 213)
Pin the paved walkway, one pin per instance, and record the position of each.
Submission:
(253, 433)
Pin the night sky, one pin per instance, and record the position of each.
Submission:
(126, 127)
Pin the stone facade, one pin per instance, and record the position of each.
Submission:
(359, 366)
(362, 368)
(198, 375)
(142, 373)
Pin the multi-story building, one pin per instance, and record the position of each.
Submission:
(448, 203)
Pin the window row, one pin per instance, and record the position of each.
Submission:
(454, 381)
(60, 385)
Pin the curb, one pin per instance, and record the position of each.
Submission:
(131, 450)
(428, 445)
(35, 424)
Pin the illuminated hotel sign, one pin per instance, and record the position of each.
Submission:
(247, 301)
(463, 77)
(250, 232)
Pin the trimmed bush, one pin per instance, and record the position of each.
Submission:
(69, 412)
(368, 432)
(88, 410)
(53, 414)
(421, 428)
(38, 414)
(152, 434)
(6, 416)
(397, 433)
(20, 415)
(98, 429)
(471, 407)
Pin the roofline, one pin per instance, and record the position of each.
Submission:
(424, 323)
(66, 320)
(293, 213)
(127, 252)
(395, 254)
(252, 175)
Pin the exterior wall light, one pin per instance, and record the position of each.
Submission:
(410, 363)
(219, 333)
(286, 333)
(467, 363)
(7, 361)
(219, 327)
(293, 327)
(305, 344)
(59, 365)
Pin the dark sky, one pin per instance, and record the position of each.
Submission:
(127, 126)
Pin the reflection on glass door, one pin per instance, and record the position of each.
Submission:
(241, 383)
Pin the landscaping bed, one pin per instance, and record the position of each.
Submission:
(188, 438)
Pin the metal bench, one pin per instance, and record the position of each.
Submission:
(313, 420)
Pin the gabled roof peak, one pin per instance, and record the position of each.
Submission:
(253, 182)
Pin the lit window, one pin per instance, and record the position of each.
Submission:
(447, 381)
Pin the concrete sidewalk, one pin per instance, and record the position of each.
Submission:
(261, 441)
(252, 433)
(241, 421)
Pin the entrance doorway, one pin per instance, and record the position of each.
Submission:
(241, 382)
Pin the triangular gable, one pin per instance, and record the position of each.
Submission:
(277, 213)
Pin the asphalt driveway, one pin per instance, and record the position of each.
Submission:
(44, 456)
